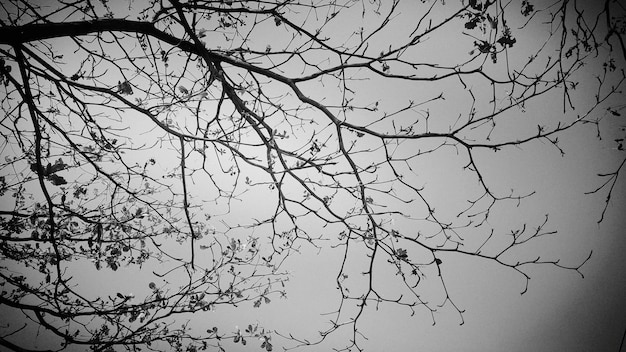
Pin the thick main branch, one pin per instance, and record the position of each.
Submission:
(14, 35)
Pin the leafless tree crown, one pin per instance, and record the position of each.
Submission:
(201, 144)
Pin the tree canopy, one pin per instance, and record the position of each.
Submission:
(163, 160)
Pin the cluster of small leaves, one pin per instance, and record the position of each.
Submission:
(478, 17)
(254, 331)
(263, 298)
(50, 170)
(124, 88)
(401, 254)
(527, 8)
(4, 72)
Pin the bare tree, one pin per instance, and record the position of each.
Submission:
(195, 145)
